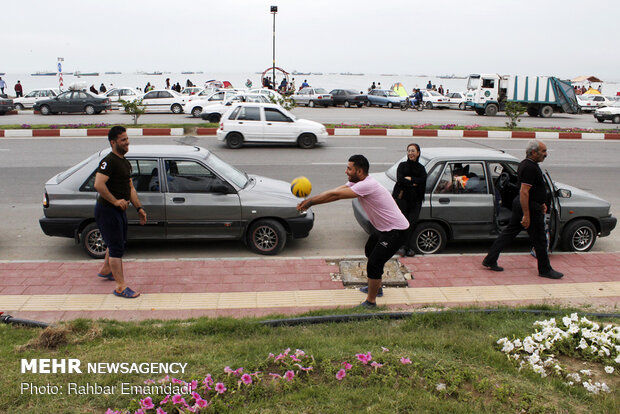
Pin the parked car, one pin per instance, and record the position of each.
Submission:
(348, 97)
(213, 112)
(433, 99)
(384, 97)
(270, 93)
(481, 208)
(457, 100)
(191, 90)
(6, 104)
(189, 194)
(163, 100)
(73, 101)
(609, 113)
(125, 93)
(261, 122)
(196, 103)
(33, 96)
(312, 97)
(589, 102)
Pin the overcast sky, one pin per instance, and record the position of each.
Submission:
(563, 38)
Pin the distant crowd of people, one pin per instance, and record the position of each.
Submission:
(580, 90)
(429, 87)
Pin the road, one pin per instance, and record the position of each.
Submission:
(25, 165)
(363, 116)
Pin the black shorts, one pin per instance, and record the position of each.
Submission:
(380, 247)
(112, 224)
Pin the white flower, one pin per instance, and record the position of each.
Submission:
(573, 329)
(508, 347)
(502, 340)
(605, 350)
(609, 370)
(539, 370)
(617, 360)
(586, 372)
(528, 344)
(582, 344)
(591, 387)
(605, 388)
(593, 349)
(574, 376)
(570, 383)
(440, 387)
(517, 343)
(574, 316)
(534, 358)
(567, 321)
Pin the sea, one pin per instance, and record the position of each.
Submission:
(328, 81)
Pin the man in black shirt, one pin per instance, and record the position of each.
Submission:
(116, 190)
(528, 212)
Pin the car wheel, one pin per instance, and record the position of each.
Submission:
(602, 120)
(92, 241)
(311, 104)
(176, 109)
(347, 104)
(196, 112)
(579, 236)
(266, 237)
(234, 140)
(368, 103)
(306, 141)
(19, 107)
(89, 109)
(546, 111)
(462, 106)
(491, 110)
(360, 105)
(214, 118)
(429, 105)
(429, 238)
(616, 119)
(45, 110)
(390, 105)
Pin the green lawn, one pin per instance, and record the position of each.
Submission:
(456, 365)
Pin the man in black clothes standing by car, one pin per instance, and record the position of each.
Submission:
(116, 190)
(528, 212)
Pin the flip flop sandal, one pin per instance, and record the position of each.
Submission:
(127, 293)
(109, 276)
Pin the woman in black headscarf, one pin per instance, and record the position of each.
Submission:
(409, 193)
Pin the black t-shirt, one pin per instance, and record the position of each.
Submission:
(119, 171)
(530, 173)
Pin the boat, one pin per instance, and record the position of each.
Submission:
(300, 73)
(317, 73)
(187, 73)
(78, 74)
(351, 74)
(112, 73)
(41, 73)
(388, 74)
(154, 73)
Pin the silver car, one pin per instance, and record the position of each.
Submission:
(188, 192)
(469, 194)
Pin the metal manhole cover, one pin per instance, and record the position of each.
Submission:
(353, 273)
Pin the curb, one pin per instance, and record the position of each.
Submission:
(451, 133)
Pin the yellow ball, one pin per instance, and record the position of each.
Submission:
(301, 187)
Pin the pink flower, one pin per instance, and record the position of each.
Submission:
(279, 357)
(275, 376)
(270, 355)
(202, 403)
(294, 358)
(287, 350)
(220, 388)
(164, 379)
(289, 375)
(177, 399)
(149, 381)
(110, 411)
(299, 353)
(246, 378)
(256, 374)
(147, 403)
(238, 371)
(208, 381)
(194, 384)
(228, 370)
(364, 358)
(139, 411)
(405, 361)
(160, 411)
(341, 374)
(304, 369)
(347, 366)
(384, 349)
(196, 396)
(376, 365)
(178, 381)
(165, 400)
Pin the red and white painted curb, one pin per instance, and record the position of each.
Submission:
(447, 133)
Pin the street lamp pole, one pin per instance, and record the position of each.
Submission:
(274, 10)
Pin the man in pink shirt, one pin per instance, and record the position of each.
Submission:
(382, 212)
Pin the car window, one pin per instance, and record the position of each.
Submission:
(272, 114)
(350, 92)
(190, 177)
(373, 92)
(165, 94)
(233, 114)
(249, 113)
(80, 95)
(150, 95)
(431, 177)
(462, 178)
(127, 92)
(32, 94)
(218, 96)
(227, 171)
(145, 175)
(65, 96)
(113, 93)
(488, 83)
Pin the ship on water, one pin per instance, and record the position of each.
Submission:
(79, 74)
(351, 74)
(113, 73)
(43, 73)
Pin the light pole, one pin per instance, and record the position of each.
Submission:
(274, 11)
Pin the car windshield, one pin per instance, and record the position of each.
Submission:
(473, 82)
(586, 97)
(392, 93)
(350, 92)
(230, 173)
(392, 171)
(63, 175)
(320, 90)
(435, 93)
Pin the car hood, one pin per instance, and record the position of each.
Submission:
(578, 195)
(272, 188)
(307, 123)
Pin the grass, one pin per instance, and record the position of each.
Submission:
(457, 350)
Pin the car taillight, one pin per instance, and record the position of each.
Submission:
(222, 126)
(320, 97)
(46, 201)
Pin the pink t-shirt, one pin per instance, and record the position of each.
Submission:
(379, 205)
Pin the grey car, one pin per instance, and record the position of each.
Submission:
(189, 194)
(469, 193)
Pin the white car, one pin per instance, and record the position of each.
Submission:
(33, 96)
(611, 113)
(163, 100)
(270, 93)
(196, 103)
(433, 99)
(213, 112)
(260, 122)
(191, 90)
(457, 100)
(589, 102)
(125, 93)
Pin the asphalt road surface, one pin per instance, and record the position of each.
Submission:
(26, 164)
(334, 115)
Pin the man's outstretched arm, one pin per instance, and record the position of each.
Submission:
(328, 196)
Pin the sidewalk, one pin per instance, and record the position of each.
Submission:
(179, 289)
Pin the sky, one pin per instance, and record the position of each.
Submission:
(560, 38)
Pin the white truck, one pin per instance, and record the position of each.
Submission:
(541, 95)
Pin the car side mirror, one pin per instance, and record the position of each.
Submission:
(563, 193)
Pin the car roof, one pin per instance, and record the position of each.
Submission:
(164, 150)
(465, 153)
(266, 105)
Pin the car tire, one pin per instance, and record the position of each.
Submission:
(616, 119)
(390, 105)
(214, 118)
(92, 241)
(579, 236)
(89, 109)
(306, 141)
(429, 238)
(19, 107)
(45, 110)
(491, 110)
(368, 104)
(311, 104)
(546, 111)
(602, 120)
(234, 140)
(346, 104)
(462, 106)
(176, 109)
(429, 105)
(266, 236)
(196, 112)
(359, 105)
